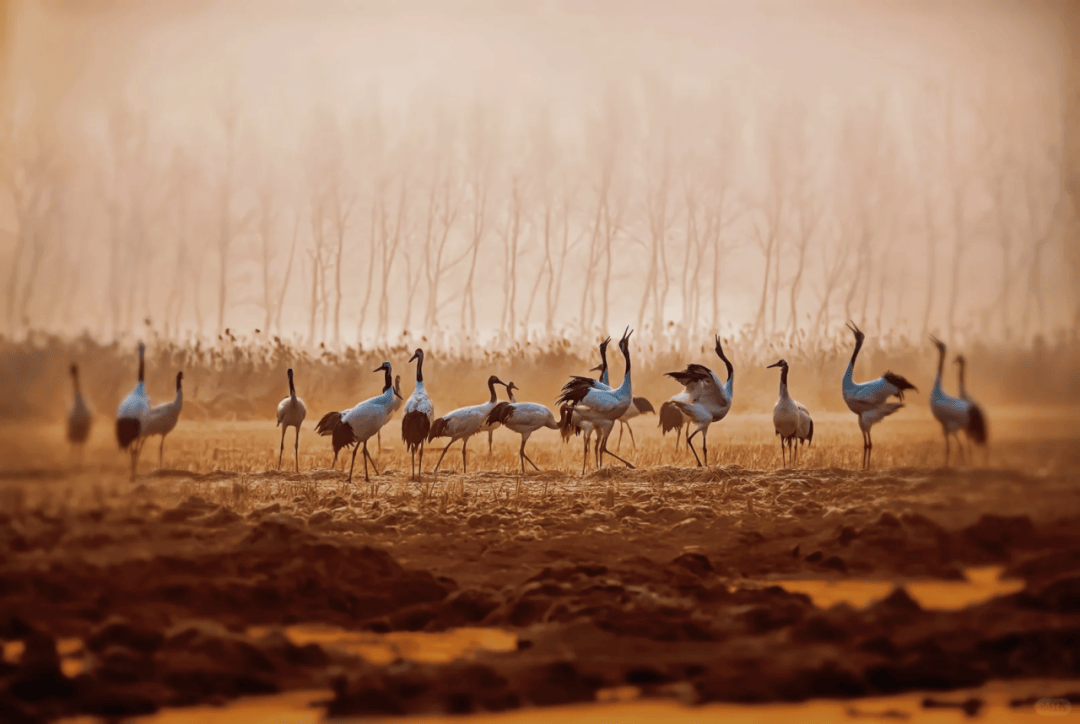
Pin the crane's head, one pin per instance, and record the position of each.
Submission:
(719, 348)
(384, 367)
(782, 364)
(624, 343)
(289, 373)
(597, 368)
(938, 343)
(604, 344)
(493, 380)
(510, 387)
(856, 331)
(418, 354)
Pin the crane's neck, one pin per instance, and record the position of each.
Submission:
(491, 389)
(388, 380)
(511, 395)
(141, 365)
(78, 392)
(604, 376)
(420, 369)
(849, 375)
(783, 382)
(292, 389)
(940, 368)
(625, 388)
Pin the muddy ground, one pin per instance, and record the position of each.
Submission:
(667, 578)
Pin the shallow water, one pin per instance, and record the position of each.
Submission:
(981, 585)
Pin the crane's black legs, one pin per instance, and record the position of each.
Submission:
(464, 464)
(353, 463)
(604, 450)
(690, 444)
(281, 452)
(490, 434)
(161, 453)
(296, 447)
(367, 456)
(868, 448)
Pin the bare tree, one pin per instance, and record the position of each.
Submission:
(479, 161)
(808, 211)
(228, 117)
(773, 209)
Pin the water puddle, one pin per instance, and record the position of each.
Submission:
(423, 647)
(981, 585)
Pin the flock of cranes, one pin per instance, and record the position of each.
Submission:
(586, 406)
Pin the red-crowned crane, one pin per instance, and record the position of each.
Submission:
(419, 413)
(791, 419)
(291, 413)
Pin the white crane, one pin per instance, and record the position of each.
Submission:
(161, 419)
(954, 413)
(572, 423)
(524, 418)
(419, 412)
(599, 404)
(791, 419)
(977, 434)
(78, 419)
(491, 427)
(638, 406)
(291, 413)
(463, 423)
(130, 415)
(361, 423)
(708, 400)
(870, 400)
(342, 437)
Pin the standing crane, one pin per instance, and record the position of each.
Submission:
(291, 413)
(954, 413)
(463, 423)
(572, 423)
(491, 427)
(599, 404)
(707, 399)
(360, 424)
(524, 418)
(977, 435)
(161, 419)
(78, 419)
(791, 419)
(130, 415)
(419, 412)
(870, 400)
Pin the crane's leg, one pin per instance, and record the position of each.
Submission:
(366, 478)
(704, 445)
(378, 435)
(281, 452)
(633, 442)
(464, 464)
(690, 445)
(585, 459)
(412, 464)
(618, 445)
(161, 452)
(296, 448)
(605, 451)
(439, 461)
(783, 452)
(527, 458)
(368, 456)
(490, 434)
(420, 477)
(869, 448)
(353, 463)
(946, 449)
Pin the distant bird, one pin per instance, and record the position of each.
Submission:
(396, 406)
(358, 425)
(419, 412)
(707, 399)
(791, 419)
(524, 418)
(638, 406)
(599, 404)
(129, 418)
(954, 413)
(491, 427)
(972, 433)
(870, 400)
(78, 419)
(463, 423)
(672, 418)
(291, 413)
(572, 423)
(161, 419)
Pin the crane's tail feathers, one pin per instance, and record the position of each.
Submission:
(499, 414)
(127, 431)
(415, 427)
(671, 417)
(899, 383)
(810, 435)
(643, 405)
(438, 429)
(328, 423)
(566, 422)
(692, 373)
(976, 427)
(575, 390)
(343, 436)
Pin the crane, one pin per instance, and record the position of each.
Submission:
(707, 399)
(291, 413)
(791, 419)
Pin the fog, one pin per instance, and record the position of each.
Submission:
(337, 171)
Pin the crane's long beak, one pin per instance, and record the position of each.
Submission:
(413, 357)
(397, 394)
(597, 368)
(773, 365)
